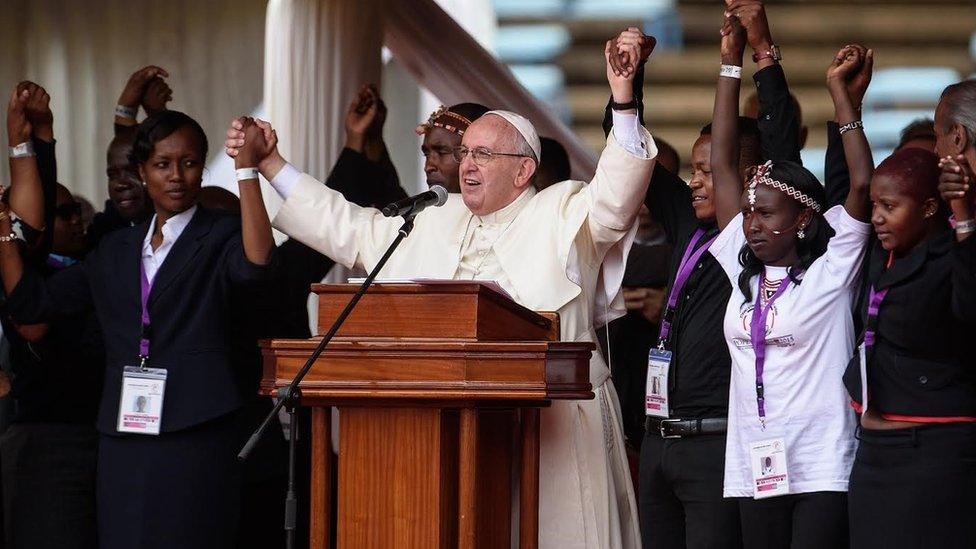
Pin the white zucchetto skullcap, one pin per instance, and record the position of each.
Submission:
(524, 127)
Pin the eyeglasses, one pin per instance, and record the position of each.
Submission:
(481, 155)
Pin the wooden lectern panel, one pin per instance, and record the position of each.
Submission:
(463, 310)
(439, 388)
(399, 467)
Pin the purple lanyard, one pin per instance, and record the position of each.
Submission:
(688, 262)
(757, 333)
(874, 305)
(146, 287)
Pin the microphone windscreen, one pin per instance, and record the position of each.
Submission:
(441, 193)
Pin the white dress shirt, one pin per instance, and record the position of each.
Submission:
(172, 229)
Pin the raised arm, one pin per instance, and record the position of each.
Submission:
(632, 35)
(134, 94)
(837, 179)
(26, 193)
(613, 197)
(360, 179)
(42, 123)
(259, 140)
(848, 64)
(725, 125)
(317, 215)
(779, 124)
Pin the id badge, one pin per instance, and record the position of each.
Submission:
(141, 404)
(770, 477)
(656, 393)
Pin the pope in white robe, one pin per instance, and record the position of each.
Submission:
(561, 249)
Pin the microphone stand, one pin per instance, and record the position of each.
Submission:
(291, 395)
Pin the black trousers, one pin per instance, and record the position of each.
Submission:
(816, 520)
(681, 503)
(49, 485)
(915, 488)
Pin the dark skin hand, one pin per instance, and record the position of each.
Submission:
(135, 90)
(849, 64)
(752, 16)
(26, 193)
(632, 48)
(156, 95)
(361, 117)
(39, 110)
(956, 188)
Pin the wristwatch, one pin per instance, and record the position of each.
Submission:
(632, 104)
(772, 53)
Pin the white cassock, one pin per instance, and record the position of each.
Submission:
(546, 250)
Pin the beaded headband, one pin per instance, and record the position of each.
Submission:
(434, 121)
(762, 177)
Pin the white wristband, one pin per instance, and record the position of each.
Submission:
(731, 71)
(243, 174)
(22, 150)
(126, 112)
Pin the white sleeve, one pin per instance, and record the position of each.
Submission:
(845, 251)
(284, 181)
(626, 130)
(727, 246)
(617, 190)
(321, 218)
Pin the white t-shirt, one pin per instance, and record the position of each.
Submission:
(809, 340)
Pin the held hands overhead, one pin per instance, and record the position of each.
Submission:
(146, 87)
(623, 54)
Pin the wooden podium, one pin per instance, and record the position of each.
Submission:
(438, 387)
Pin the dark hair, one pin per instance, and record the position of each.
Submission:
(158, 127)
(554, 165)
(817, 233)
(471, 111)
(750, 153)
(922, 128)
(747, 126)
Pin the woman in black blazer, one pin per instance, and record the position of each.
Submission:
(179, 488)
(913, 483)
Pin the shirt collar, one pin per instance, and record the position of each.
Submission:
(172, 229)
(509, 212)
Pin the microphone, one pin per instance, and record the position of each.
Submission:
(413, 205)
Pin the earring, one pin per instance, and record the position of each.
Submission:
(800, 234)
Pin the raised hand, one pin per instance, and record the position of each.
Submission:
(955, 185)
(752, 15)
(846, 64)
(135, 88)
(622, 58)
(857, 83)
(252, 142)
(632, 48)
(362, 111)
(733, 41)
(39, 110)
(18, 125)
(156, 95)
